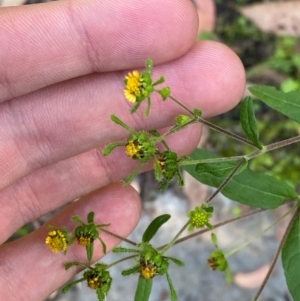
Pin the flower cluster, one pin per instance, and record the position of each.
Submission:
(139, 86)
(97, 278)
(150, 263)
(141, 146)
(85, 234)
(57, 240)
(218, 261)
(199, 217)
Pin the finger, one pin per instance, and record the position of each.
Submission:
(54, 186)
(49, 43)
(206, 14)
(114, 204)
(209, 77)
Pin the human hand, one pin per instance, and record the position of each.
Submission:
(62, 68)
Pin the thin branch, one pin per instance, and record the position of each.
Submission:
(216, 226)
(232, 135)
(119, 237)
(277, 255)
(225, 182)
(120, 260)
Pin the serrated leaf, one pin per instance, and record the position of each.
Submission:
(69, 285)
(124, 250)
(285, 103)
(154, 226)
(219, 169)
(143, 289)
(248, 121)
(249, 187)
(132, 270)
(101, 296)
(109, 148)
(291, 259)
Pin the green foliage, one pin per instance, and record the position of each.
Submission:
(87, 233)
(154, 227)
(143, 290)
(285, 103)
(218, 169)
(230, 175)
(248, 187)
(291, 259)
(248, 121)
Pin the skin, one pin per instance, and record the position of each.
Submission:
(61, 77)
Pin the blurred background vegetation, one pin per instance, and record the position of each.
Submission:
(269, 58)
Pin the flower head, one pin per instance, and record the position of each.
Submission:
(148, 270)
(140, 146)
(168, 163)
(85, 240)
(57, 240)
(134, 149)
(199, 217)
(218, 261)
(133, 86)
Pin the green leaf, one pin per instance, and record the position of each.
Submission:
(132, 270)
(124, 250)
(248, 121)
(143, 290)
(172, 290)
(90, 251)
(249, 187)
(103, 245)
(291, 260)
(75, 263)
(101, 296)
(154, 226)
(109, 148)
(175, 260)
(76, 218)
(69, 285)
(220, 169)
(118, 121)
(285, 103)
(90, 217)
(214, 239)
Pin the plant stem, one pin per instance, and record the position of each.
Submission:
(182, 105)
(120, 260)
(165, 248)
(218, 225)
(213, 126)
(259, 235)
(225, 182)
(119, 237)
(277, 255)
(273, 146)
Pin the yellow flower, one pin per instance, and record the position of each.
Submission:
(133, 149)
(133, 86)
(85, 240)
(94, 282)
(57, 241)
(148, 271)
